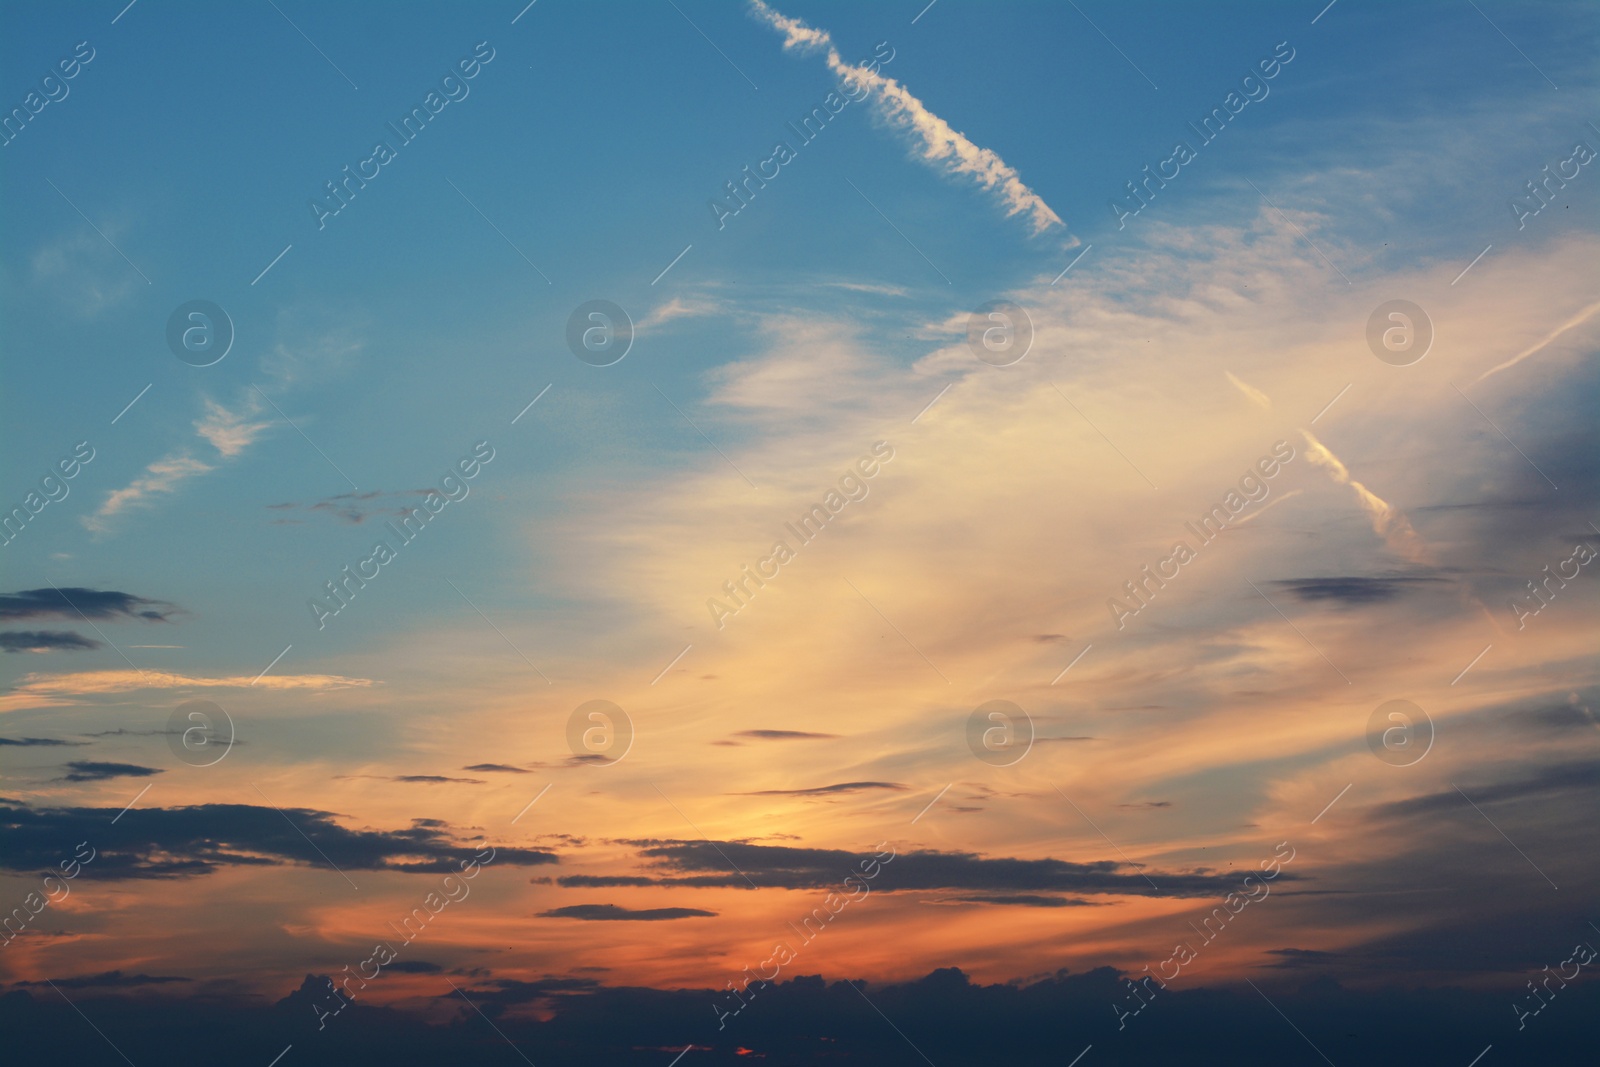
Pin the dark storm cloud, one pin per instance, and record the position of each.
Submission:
(69, 602)
(782, 867)
(92, 771)
(46, 641)
(824, 790)
(171, 842)
(616, 913)
(1351, 590)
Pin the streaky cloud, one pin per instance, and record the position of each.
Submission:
(940, 143)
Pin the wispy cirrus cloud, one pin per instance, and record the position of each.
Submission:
(938, 142)
(228, 431)
(231, 432)
(159, 478)
(82, 270)
(52, 690)
(678, 308)
(875, 289)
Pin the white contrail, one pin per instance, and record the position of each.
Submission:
(1388, 522)
(1251, 393)
(940, 143)
(1577, 320)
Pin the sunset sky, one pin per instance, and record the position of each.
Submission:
(1286, 411)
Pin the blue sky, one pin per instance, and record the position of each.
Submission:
(199, 159)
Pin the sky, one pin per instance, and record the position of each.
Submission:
(518, 520)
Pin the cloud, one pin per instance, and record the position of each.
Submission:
(870, 287)
(1026, 900)
(413, 967)
(1568, 716)
(231, 432)
(1302, 957)
(502, 768)
(45, 641)
(1350, 590)
(36, 690)
(677, 308)
(196, 840)
(109, 980)
(31, 742)
(227, 431)
(785, 867)
(1555, 778)
(354, 508)
(812, 363)
(823, 790)
(1251, 393)
(938, 141)
(1030, 520)
(83, 272)
(616, 913)
(317, 342)
(1387, 521)
(796, 34)
(73, 602)
(161, 477)
(420, 779)
(783, 735)
(1577, 320)
(92, 771)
